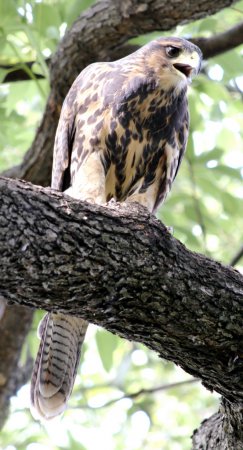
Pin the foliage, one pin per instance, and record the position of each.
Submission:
(204, 208)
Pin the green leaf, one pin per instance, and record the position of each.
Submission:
(195, 115)
(232, 205)
(208, 25)
(8, 13)
(214, 154)
(106, 344)
(231, 62)
(3, 73)
(207, 182)
(226, 170)
(216, 91)
(76, 8)
(228, 139)
(45, 17)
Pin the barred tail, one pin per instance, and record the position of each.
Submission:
(56, 364)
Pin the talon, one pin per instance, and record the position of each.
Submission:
(171, 230)
(111, 202)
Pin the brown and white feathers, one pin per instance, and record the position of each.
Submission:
(56, 363)
(122, 134)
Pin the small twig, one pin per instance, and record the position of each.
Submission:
(237, 257)
(133, 395)
(236, 9)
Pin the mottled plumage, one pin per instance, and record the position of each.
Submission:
(122, 134)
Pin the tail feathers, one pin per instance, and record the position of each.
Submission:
(56, 364)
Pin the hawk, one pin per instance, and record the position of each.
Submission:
(122, 134)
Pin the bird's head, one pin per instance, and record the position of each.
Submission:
(174, 61)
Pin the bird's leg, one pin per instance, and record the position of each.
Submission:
(89, 183)
(143, 199)
(146, 200)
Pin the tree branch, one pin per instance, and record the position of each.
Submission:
(220, 43)
(120, 268)
(18, 72)
(136, 394)
(237, 257)
(13, 333)
(221, 431)
(211, 46)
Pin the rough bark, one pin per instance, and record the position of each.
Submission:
(97, 35)
(222, 431)
(120, 268)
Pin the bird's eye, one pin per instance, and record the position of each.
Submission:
(173, 52)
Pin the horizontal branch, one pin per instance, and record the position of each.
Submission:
(136, 394)
(220, 43)
(18, 72)
(119, 267)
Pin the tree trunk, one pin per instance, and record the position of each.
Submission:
(12, 375)
(222, 431)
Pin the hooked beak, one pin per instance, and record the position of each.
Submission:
(186, 69)
(188, 64)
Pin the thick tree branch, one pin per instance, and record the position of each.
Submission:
(222, 431)
(120, 268)
(220, 43)
(95, 35)
(18, 72)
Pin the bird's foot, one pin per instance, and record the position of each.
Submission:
(171, 230)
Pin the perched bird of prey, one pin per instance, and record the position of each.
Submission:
(122, 135)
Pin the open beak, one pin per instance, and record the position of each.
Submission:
(186, 69)
(188, 64)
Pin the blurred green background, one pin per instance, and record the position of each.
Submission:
(107, 408)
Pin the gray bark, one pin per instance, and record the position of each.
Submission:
(106, 263)
(222, 431)
(119, 267)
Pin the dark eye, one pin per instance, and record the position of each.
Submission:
(173, 52)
